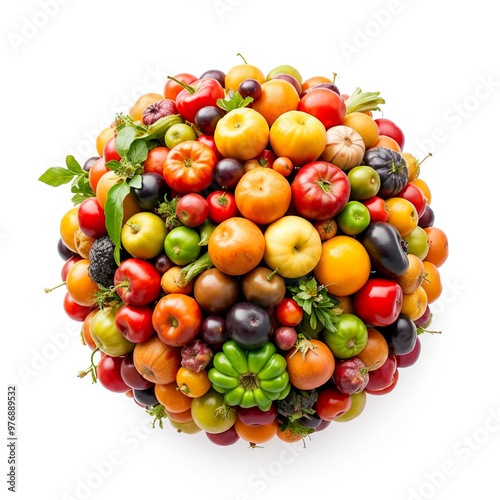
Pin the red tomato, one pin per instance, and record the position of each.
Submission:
(189, 167)
(192, 210)
(332, 404)
(326, 105)
(208, 140)
(383, 377)
(91, 219)
(414, 195)
(256, 416)
(177, 319)
(75, 311)
(320, 190)
(390, 129)
(388, 389)
(288, 312)
(109, 374)
(138, 282)
(154, 161)
(172, 88)
(378, 209)
(378, 302)
(222, 206)
(266, 158)
(110, 151)
(198, 95)
(135, 322)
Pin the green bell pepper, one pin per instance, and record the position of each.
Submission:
(250, 378)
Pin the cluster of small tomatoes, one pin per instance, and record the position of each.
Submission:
(278, 246)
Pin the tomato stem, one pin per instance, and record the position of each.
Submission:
(270, 276)
(48, 290)
(334, 77)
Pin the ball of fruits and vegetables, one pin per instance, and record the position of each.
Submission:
(249, 255)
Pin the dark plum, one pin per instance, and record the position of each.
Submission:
(152, 192)
(89, 163)
(406, 360)
(131, 376)
(206, 119)
(249, 325)
(146, 397)
(401, 335)
(290, 79)
(216, 74)
(250, 88)
(311, 421)
(228, 172)
(427, 219)
(213, 330)
(64, 252)
(162, 263)
(329, 86)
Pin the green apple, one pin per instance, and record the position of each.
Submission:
(417, 243)
(106, 335)
(143, 235)
(178, 133)
(287, 69)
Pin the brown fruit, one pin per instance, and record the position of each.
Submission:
(156, 361)
(413, 277)
(375, 353)
(215, 291)
(346, 304)
(262, 286)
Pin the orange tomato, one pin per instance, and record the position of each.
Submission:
(172, 398)
(283, 165)
(344, 266)
(169, 285)
(97, 170)
(386, 142)
(438, 246)
(137, 110)
(402, 215)
(81, 288)
(236, 246)
(86, 330)
(193, 384)
(314, 80)
(263, 195)
(425, 189)
(180, 417)
(107, 181)
(255, 434)
(155, 160)
(103, 138)
(432, 282)
(327, 229)
(376, 350)
(68, 228)
(312, 368)
(288, 436)
(278, 97)
(242, 72)
(414, 304)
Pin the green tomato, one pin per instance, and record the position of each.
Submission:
(182, 245)
(354, 218)
(358, 402)
(288, 70)
(185, 427)
(178, 133)
(417, 243)
(365, 182)
(211, 414)
(143, 235)
(106, 335)
(349, 339)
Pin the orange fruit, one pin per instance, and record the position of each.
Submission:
(425, 189)
(69, 226)
(103, 138)
(364, 125)
(387, 142)
(169, 285)
(414, 304)
(376, 350)
(402, 215)
(413, 277)
(242, 72)
(432, 282)
(256, 434)
(81, 288)
(314, 80)
(278, 97)
(438, 246)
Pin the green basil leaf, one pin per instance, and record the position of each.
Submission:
(113, 210)
(73, 165)
(113, 165)
(124, 139)
(56, 176)
(138, 152)
(136, 181)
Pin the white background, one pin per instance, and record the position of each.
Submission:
(63, 81)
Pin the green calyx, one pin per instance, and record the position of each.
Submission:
(363, 101)
(250, 378)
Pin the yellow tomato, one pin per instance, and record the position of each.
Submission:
(242, 134)
(402, 215)
(344, 266)
(414, 304)
(81, 288)
(293, 245)
(298, 136)
(102, 139)
(68, 228)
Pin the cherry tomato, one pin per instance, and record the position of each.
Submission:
(110, 151)
(266, 158)
(289, 313)
(91, 219)
(402, 215)
(222, 206)
(192, 210)
(135, 322)
(383, 377)
(415, 196)
(75, 311)
(172, 398)
(81, 288)
(138, 282)
(283, 165)
(208, 140)
(68, 265)
(327, 229)
(378, 209)
(332, 404)
(256, 434)
(109, 374)
(154, 161)
(193, 384)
